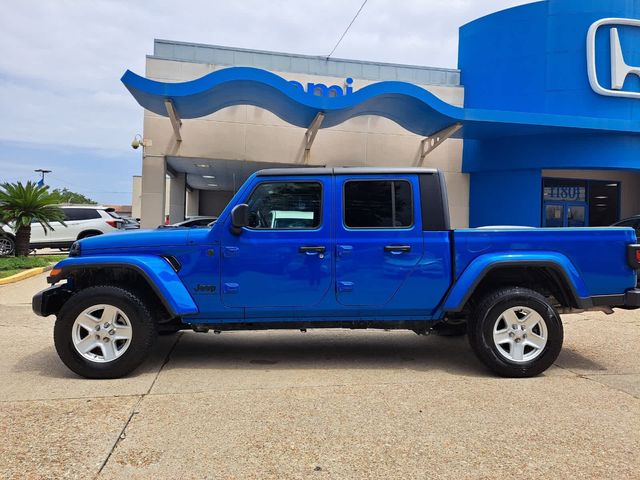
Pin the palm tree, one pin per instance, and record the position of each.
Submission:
(21, 205)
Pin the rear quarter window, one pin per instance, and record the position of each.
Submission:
(378, 204)
(71, 214)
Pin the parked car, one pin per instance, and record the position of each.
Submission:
(192, 222)
(374, 250)
(81, 221)
(633, 222)
(130, 223)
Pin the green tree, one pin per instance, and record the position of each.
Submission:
(21, 205)
(65, 195)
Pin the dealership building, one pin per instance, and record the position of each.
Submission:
(539, 125)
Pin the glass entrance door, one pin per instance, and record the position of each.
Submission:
(575, 215)
(565, 203)
(565, 214)
(553, 214)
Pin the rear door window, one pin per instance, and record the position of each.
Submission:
(378, 204)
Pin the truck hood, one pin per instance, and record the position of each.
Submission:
(142, 239)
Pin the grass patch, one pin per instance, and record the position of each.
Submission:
(8, 273)
(17, 264)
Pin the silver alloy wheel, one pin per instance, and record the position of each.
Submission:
(6, 246)
(520, 334)
(102, 333)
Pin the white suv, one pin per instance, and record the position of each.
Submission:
(81, 221)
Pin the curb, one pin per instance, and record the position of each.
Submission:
(32, 272)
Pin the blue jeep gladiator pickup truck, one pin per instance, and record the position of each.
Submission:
(337, 247)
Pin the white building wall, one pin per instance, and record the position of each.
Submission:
(136, 203)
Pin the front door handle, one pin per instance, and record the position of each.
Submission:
(397, 248)
(310, 250)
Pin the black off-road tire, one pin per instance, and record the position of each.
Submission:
(485, 316)
(143, 327)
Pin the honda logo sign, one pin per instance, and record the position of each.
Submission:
(620, 70)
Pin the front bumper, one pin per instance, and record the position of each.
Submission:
(50, 301)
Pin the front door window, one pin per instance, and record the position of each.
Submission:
(285, 206)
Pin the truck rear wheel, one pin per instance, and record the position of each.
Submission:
(516, 332)
(104, 332)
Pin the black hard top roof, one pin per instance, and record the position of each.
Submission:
(344, 171)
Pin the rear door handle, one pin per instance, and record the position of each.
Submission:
(397, 248)
(312, 249)
(344, 250)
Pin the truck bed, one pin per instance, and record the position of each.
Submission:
(598, 255)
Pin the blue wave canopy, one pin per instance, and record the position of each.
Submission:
(410, 106)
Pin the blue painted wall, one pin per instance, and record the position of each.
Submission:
(592, 152)
(517, 201)
(533, 58)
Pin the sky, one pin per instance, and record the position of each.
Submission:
(64, 108)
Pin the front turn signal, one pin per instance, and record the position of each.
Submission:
(53, 275)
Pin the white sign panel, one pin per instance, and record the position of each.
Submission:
(619, 68)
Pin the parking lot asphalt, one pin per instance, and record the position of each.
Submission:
(326, 404)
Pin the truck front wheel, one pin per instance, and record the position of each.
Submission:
(104, 332)
(516, 332)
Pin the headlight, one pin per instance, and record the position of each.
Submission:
(74, 251)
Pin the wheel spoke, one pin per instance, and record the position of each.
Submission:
(123, 332)
(510, 317)
(110, 314)
(87, 344)
(501, 337)
(535, 341)
(517, 351)
(108, 351)
(531, 320)
(87, 322)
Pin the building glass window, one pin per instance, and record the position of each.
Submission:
(565, 190)
(378, 204)
(579, 203)
(285, 206)
(603, 203)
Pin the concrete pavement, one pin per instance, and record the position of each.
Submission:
(323, 404)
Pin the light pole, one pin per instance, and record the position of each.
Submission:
(43, 172)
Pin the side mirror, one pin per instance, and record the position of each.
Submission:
(239, 218)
